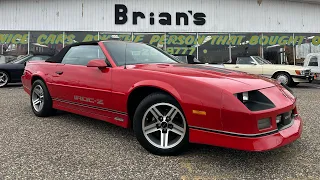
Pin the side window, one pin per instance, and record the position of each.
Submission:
(81, 55)
(313, 61)
(244, 60)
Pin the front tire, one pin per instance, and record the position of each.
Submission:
(160, 125)
(284, 78)
(40, 100)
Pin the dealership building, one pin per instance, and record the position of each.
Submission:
(213, 31)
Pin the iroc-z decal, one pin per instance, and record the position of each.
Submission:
(89, 100)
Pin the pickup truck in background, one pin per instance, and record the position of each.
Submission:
(289, 75)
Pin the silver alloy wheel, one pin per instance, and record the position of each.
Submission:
(3, 79)
(164, 125)
(283, 79)
(37, 98)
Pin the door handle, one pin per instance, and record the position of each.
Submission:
(59, 72)
(236, 67)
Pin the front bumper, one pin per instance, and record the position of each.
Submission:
(297, 78)
(261, 143)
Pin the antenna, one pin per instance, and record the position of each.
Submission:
(125, 57)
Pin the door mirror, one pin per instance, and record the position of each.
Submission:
(253, 63)
(99, 63)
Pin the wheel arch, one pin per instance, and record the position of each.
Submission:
(36, 77)
(142, 90)
(278, 72)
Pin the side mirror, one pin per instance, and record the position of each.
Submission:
(253, 63)
(99, 63)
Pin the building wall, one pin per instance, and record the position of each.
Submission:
(278, 30)
(221, 15)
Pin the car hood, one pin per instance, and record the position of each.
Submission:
(230, 80)
(284, 67)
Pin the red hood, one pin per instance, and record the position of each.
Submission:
(232, 81)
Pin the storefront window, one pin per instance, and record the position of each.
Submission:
(73, 37)
(155, 39)
(306, 45)
(245, 45)
(183, 46)
(278, 48)
(45, 42)
(213, 48)
(115, 36)
(13, 45)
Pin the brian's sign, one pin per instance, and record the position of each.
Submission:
(164, 18)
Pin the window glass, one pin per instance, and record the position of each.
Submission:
(260, 60)
(214, 48)
(184, 45)
(130, 53)
(278, 48)
(103, 36)
(155, 39)
(79, 36)
(245, 45)
(81, 55)
(306, 45)
(45, 42)
(13, 45)
(313, 61)
(244, 60)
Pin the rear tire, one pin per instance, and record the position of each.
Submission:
(160, 125)
(4, 79)
(40, 99)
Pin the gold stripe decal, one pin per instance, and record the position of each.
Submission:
(199, 112)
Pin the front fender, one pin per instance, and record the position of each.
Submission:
(192, 101)
(157, 84)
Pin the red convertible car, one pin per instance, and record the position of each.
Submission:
(168, 103)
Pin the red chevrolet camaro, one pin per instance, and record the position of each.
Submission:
(168, 103)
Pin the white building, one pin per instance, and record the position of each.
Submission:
(211, 30)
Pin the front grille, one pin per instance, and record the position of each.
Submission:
(307, 72)
(286, 120)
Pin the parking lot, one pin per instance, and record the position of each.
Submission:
(69, 146)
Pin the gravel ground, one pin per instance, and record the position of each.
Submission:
(69, 146)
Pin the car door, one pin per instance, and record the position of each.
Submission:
(249, 65)
(80, 87)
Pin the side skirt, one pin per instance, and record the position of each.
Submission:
(121, 120)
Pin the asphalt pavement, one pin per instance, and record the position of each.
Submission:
(68, 146)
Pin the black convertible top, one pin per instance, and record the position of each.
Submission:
(59, 56)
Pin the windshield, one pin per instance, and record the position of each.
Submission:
(20, 59)
(30, 58)
(260, 60)
(136, 53)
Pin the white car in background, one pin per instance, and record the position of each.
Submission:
(192, 60)
(289, 75)
(312, 61)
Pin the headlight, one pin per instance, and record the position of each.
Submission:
(278, 119)
(254, 100)
(300, 72)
